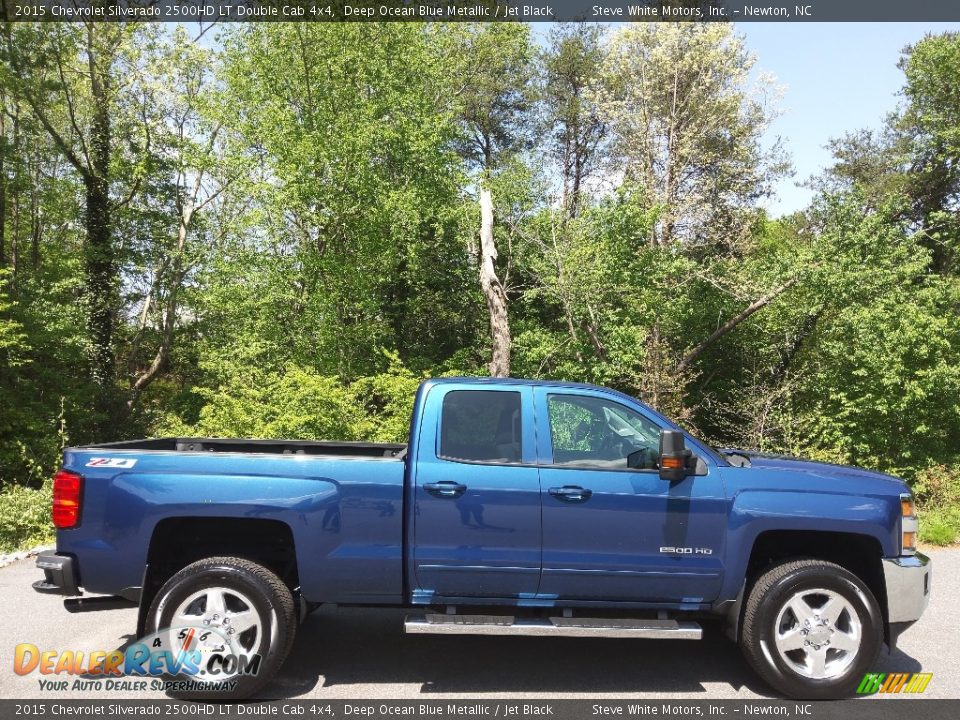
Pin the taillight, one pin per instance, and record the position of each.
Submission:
(67, 487)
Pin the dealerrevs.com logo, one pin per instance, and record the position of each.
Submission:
(182, 659)
(893, 683)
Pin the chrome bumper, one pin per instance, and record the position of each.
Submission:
(908, 586)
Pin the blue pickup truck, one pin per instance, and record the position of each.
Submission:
(517, 508)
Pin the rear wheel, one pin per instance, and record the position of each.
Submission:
(235, 617)
(811, 629)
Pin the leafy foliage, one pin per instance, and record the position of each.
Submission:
(299, 403)
(25, 517)
(938, 488)
(276, 234)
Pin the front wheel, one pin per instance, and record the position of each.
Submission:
(233, 621)
(811, 629)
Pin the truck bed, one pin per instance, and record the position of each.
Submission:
(334, 448)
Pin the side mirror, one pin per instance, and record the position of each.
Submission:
(675, 459)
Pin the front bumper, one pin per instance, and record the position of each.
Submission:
(60, 575)
(907, 579)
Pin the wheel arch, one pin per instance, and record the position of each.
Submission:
(858, 553)
(179, 541)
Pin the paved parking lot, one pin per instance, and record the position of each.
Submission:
(362, 654)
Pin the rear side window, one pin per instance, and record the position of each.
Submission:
(481, 426)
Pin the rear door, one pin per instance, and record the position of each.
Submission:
(477, 494)
(618, 534)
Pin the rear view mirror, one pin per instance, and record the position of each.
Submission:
(675, 459)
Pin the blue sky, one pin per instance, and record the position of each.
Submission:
(838, 77)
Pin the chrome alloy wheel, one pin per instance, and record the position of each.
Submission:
(818, 633)
(236, 626)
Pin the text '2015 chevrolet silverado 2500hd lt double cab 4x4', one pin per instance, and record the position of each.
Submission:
(517, 508)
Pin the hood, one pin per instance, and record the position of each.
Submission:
(818, 469)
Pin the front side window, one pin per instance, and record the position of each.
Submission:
(593, 432)
(481, 426)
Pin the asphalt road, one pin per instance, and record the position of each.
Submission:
(363, 654)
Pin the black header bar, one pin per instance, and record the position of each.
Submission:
(59, 706)
(481, 10)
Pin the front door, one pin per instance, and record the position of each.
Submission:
(477, 497)
(614, 533)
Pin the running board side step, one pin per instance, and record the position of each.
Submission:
(556, 626)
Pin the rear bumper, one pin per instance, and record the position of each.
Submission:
(60, 575)
(907, 579)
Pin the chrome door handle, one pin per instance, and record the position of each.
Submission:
(445, 489)
(571, 493)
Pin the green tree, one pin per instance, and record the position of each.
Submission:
(686, 126)
(350, 243)
(570, 70)
(189, 173)
(910, 167)
(880, 379)
(72, 78)
(931, 121)
(12, 339)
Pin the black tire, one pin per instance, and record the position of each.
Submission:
(269, 597)
(766, 617)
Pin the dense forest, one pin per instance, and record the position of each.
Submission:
(277, 230)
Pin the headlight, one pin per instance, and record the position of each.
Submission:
(908, 525)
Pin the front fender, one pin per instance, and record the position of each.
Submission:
(754, 512)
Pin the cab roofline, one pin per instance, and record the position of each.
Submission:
(472, 379)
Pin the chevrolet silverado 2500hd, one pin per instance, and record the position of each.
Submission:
(517, 508)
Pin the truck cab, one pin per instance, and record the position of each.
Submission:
(553, 494)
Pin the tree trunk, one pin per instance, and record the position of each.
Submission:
(15, 227)
(493, 291)
(36, 228)
(99, 255)
(593, 331)
(170, 313)
(166, 340)
(564, 301)
(654, 368)
(669, 180)
(786, 360)
(100, 281)
(15, 196)
(736, 320)
(579, 160)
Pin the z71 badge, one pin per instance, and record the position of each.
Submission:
(112, 462)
